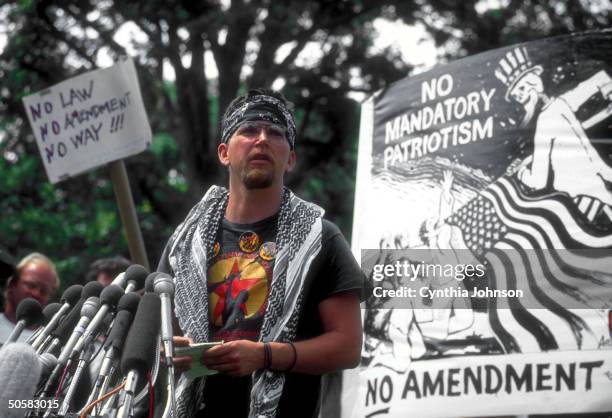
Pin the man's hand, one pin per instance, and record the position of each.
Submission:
(235, 358)
(181, 364)
(447, 183)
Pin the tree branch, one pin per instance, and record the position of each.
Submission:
(265, 70)
(230, 57)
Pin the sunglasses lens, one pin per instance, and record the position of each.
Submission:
(252, 130)
(276, 132)
(248, 130)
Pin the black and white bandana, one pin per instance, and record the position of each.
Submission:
(298, 243)
(259, 107)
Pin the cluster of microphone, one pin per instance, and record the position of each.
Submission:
(96, 353)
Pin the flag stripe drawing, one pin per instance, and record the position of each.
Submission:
(531, 234)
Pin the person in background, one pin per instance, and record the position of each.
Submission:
(35, 277)
(104, 270)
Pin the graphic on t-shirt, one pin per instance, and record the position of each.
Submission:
(238, 289)
(249, 241)
(267, 251)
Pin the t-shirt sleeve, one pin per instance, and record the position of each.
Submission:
(338, 270)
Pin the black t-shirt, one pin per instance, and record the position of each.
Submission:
(239, 278)
(334, 270)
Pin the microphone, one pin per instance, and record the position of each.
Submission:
(48, 312)
(72, 295)
(61, 333)
(119, 280)
(164, 287)
(150, 282)
(48, 362)
(29, 312)
(20, 371)
(135, 276)
(108, 299)
(88, 311)
(139, 352)
(69, 298)
(126, 309)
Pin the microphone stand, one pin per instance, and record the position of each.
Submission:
(169, 408)
(131, 286)
(164, 287)
(32, 337)
(14, 335)
(169, 352)
(52, 348)
(81, 367)
(125, 410)
(46, 330)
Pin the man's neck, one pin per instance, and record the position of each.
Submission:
(247, 206)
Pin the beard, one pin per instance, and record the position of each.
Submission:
(531, 106)
(258, 178)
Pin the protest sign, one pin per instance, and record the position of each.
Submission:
(577, 381)
(89, 120)
(500, 161)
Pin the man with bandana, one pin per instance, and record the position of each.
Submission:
(260, 269)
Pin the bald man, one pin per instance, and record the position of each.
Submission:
(36, 277)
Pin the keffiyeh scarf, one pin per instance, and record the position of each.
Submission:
(298, 242)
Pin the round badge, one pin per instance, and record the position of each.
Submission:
(267, 251)
(249, 241)
(216, 248)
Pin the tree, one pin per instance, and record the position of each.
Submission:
(318, 51)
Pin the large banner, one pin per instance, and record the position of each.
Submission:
(500, 162)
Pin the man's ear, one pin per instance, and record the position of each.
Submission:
(11, 283)
(222, 149)
(291, 162)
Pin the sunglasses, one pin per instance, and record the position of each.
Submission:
(252, 130)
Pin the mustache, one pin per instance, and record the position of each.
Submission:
(258, 155)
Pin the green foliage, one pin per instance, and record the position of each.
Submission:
(163, 146)
(170, 90)
(51, 219)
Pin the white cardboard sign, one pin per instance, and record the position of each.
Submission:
(89, 120)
